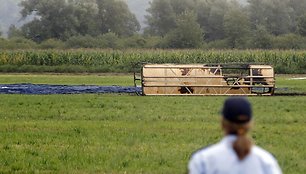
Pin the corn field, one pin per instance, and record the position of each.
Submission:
(287, 61)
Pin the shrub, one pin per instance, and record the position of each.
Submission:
(52, 44)
(289, 41)
(17, 43)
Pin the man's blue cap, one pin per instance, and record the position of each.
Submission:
(237, 110)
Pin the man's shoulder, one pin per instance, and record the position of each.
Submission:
(266, 156)
(207, 150)
(267, 160)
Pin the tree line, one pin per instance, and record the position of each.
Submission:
(225, 24)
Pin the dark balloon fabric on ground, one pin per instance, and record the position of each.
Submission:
(63, 89)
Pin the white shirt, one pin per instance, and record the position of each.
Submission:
(222, 159)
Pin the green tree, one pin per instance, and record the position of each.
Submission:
(211, 18)
(257, 14)
(14, 32)
(163, 13)
(273, 14)
(114, 16)
(0, 31)
(55, 19)
(180, 6)
(86, 12)
(61, 19)
(209, 13)
(236, 26)
(302, 25)
(161, 18)
(297, 10)
(261, 38)
(187, 34)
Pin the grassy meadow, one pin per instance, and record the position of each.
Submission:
(69, 79)
(111, 133)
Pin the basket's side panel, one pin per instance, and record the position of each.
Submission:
(181, 80)
(157, 79)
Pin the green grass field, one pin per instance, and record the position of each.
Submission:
(69, 79)
(133, 134)
(287, 81)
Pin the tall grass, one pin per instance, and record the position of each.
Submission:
(81, 60)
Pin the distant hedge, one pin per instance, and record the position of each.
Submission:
(89, 60)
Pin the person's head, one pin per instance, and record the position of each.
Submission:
(236, 120)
